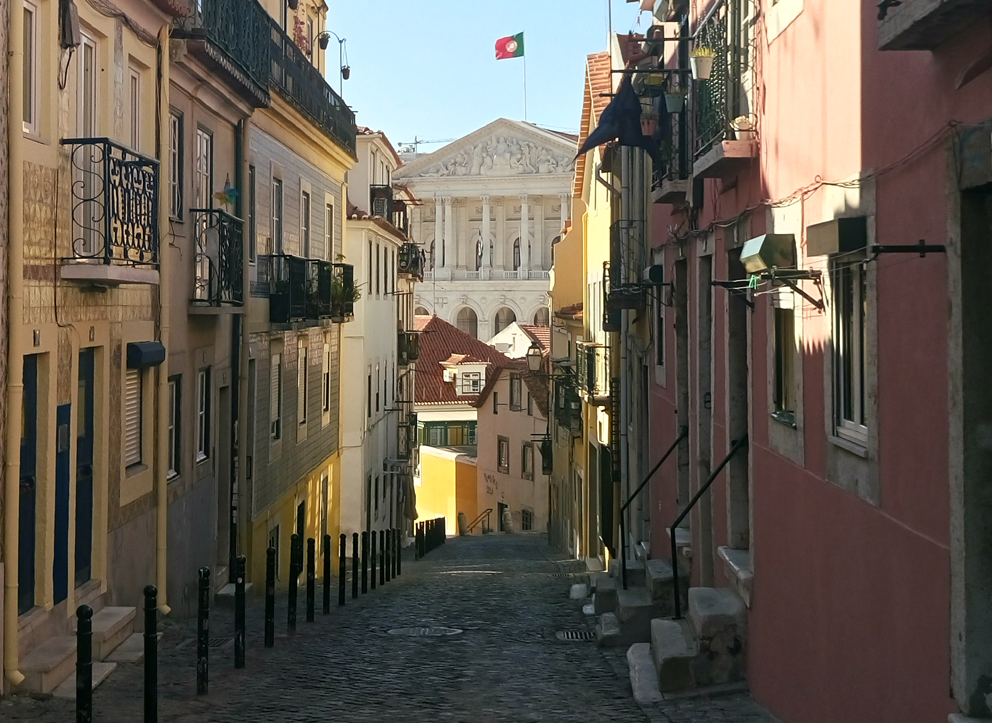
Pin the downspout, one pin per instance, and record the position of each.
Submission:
(243, 442)
(625, 214)
(165, 289)
(15, 350)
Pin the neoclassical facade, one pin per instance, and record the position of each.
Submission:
(493, 204)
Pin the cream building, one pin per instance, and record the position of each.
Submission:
(493, 204)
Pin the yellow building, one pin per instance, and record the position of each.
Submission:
(448, 484)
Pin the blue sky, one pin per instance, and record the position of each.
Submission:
(427, 68)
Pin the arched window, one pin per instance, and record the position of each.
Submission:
(468, 322)
(542, 317)
(421, 311)
(492, 256)
(431, 259)
(478, 255)
(504, 317)
(516, 254)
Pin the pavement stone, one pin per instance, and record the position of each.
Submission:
(506, 593)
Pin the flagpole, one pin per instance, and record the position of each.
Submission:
(525, 85)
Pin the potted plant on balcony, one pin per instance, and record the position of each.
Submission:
(701, 62)
(649, 122)
(653, 85)
(743, 128)
(675, 100)
(343, 298)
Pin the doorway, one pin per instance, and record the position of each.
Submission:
(27, 512)
(84, 468)
(60, 561)
(223, 476)
(499, 515)
(703, 513)
(738, 481)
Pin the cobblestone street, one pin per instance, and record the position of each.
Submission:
(508, 595)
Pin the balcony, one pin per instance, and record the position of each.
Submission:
(381, 201)
(928, 24)
(344, 293)
(407, 347)
(218, 264)
(612, 320)
(407, 438)
(229, 36)
(568, 406)
(300, 83)
(625, 290)
(302, 291)
(114, 214)
(723, 143)
(410, 261)
(671, 181)
(594, 373)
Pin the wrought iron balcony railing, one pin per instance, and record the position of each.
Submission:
(719, 100)
(410, 261)
(628, 250)
(114, 203)
(407, 347)
(296, 78)
(218, 262)
(287, 288)
(343, 292)
(594, 369)
(232, 37)
(381, 201)
(568, 405)
(611, 317)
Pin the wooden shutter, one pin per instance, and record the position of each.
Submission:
(301, 381)
(275, 397)
(132, 417)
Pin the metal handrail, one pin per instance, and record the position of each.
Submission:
(623, 528)
(739, 444)
(485, 513)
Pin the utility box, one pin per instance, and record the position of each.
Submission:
(771, 251)
(838, 236)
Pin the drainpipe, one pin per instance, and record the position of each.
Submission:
(165, 289)
(242, 371)
(626, 213)
(15, 350)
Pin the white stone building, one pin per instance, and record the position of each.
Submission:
(493, 204)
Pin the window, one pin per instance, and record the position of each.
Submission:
(175, 165)
(135, 110)
(305, 224)
(274, 544)
(275, 397)
(471, 382)
(202, 414)
(526, 520)
(370, 268)
(516, 254)
(325, 380)
(302, 386)
(504, 317)
(377, 389)
(252, 217)
(503, 455)
(468, 322)
(849, 362)
(368, 396)
(376, 494)
(328, 231)
(785, 381)
(276, 215)
(378, 267)
(527, 461)
(204, 168)
(515, 392)
(88, 174)
(530, 405)
(495, 402)
(133, 403)
(471, 437)
(30, 68)
(435, 436)
(175, 415)
(659, 330)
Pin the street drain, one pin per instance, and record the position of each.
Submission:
(214, 643)
(572, 635)
(430, 632)
(560, 575)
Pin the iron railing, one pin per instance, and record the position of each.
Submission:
(343, 292)
(239, 29)
(410, 261)
(296, 79)
(594, 369)
(568, 405)
(381, 201)
(114, 203)
(287, 288)
(719, 100)
(611, 317)
(218, 270)
(407, 347)
(399, 216)
(628, 243)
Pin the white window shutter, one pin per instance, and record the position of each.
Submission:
(132, 417)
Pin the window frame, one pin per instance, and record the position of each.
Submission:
(31, 79)
(306, 222)
(134, 99)
(469, 383)
(845, 428)
(302, 380)
(278, 212)
(503, 454)
(275, 405)
(176, 139)
(328, 230)
(252, 207)
(175, 426)
(131, 462)
(203, 399)
(785, 395)
(527, 457)
(516, 392)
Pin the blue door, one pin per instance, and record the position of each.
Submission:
(60, 565)
(29, 492)
(84, 468)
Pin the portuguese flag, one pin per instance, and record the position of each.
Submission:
(511, 47)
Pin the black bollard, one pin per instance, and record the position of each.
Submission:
(270, 597)
(294, 583)
(354, 565)
(203, 631)
(342, 567)
(151, 654)
(311, 577)
(382, 557)
(240, 562)
(84, 664)
(399, 553)
(373, 557)
(327, 574)
(416, 540)
(388, 554)
(365, 562)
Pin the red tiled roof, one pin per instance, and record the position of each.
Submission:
(572, 311)
(357, 214)
(598, 87)
(536, 385)
(541, 334)
(440, 343)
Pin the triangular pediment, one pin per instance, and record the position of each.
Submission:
(502, 149)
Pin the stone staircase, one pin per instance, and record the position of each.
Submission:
(625, 615)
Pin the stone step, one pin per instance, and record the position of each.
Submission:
(605, 597)
(608, 632)
(737, 565)
(643, 677)
(131, 650)
(635, 610)
(578, 591)
(49, 664)
(719, 620)
(67, 688)
(224, 596)
(683, 546)
(674, 650)
(635, 572)
(660, 584)
(111, 627)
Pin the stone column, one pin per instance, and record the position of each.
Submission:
(416, 224)
(501, 250)
(486, 235)
(438, 231)
(566, 201)
(449, 234)
(540, 254)
(524, 234)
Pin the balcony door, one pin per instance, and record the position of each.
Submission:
(89, 212)
(84, 468)
(27, 512)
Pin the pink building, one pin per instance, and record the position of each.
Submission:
(855, 521)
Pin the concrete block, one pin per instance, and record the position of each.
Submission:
(643, 677)
(579, 591)
(67, 688)
(635, 609)
(635, 572)
(49, 664)
(608, 633)
(131, 650)
(673, 650)
(713, 610)
(111, 627)
(660, 583)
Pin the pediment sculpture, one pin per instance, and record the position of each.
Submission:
(502, 156)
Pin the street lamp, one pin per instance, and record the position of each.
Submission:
(535, 356)
(324, 39)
